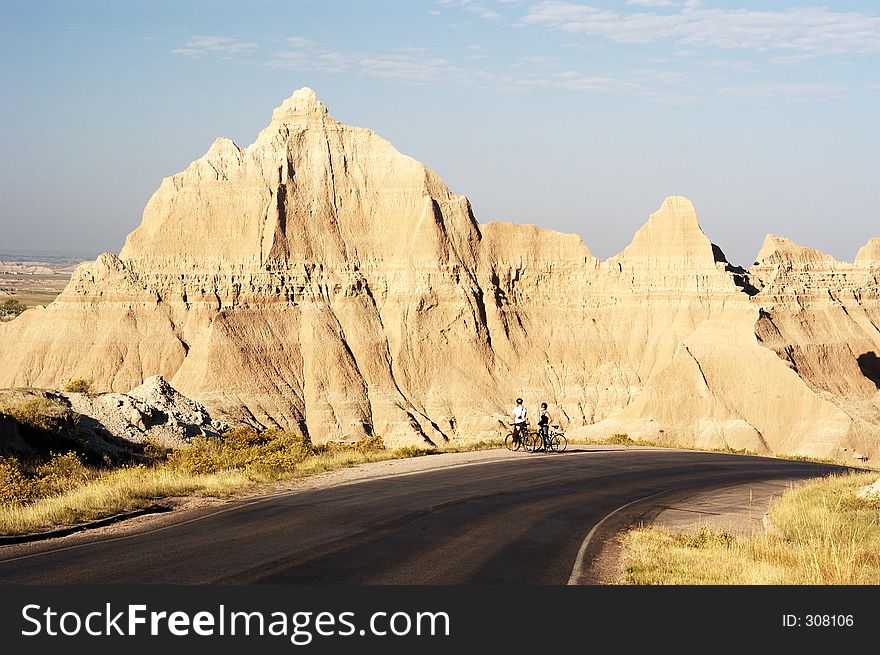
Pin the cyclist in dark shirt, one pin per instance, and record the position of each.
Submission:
(544, 426)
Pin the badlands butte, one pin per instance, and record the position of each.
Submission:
(322, 282)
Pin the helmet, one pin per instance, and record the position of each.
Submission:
(519, 401)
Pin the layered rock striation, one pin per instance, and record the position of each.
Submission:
(320, 281)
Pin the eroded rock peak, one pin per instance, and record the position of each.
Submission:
(777, 249)
(303, 104)
(870, 252)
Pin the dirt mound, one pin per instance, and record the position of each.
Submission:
(153, 411)
(35, 421)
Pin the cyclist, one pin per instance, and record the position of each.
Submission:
(519, 420)
(544, 426)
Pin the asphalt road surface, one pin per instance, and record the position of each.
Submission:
(520, 520)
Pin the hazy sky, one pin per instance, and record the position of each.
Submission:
(577, 116)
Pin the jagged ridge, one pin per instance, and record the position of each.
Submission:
(320, 281)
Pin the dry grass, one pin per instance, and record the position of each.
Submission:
(33, 408)
(117, 491)
(24, 483)
(826, 535)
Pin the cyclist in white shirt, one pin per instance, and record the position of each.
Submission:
(519, 420)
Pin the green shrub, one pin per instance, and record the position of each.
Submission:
(15, 487)
(620, 439)
(21, 484)
(78, 385)
(154, 451)
(370, 444)
(11, 308)
(202, 455)
(704, 538)
(61, 473)
(373, 443)
(270, 453)
(413, 451)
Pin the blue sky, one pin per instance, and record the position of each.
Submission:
(577, 116)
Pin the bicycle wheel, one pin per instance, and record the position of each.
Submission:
(533, 442)
(511, 442)
(558, 443)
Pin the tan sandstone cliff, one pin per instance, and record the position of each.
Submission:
(321, 281)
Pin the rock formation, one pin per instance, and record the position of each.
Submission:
(822, 317)
(869, 254)
(104, 423)
(152, 411)
(320, 281)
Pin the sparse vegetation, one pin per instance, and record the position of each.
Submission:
(78, 385)
(268, 455)
(824, 534)
(122, 489)
(34, 409)
(11, 308)
(61, 473)
(14, 485)
(22, 482)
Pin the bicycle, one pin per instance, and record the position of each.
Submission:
(533, 442)
(518, 438)
(521, 437)
(556, 440)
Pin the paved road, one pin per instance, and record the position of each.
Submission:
(515, 520)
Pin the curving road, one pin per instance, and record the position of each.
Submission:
(519, 519)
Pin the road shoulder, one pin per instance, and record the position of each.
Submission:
(740, 509)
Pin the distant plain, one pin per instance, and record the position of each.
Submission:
(35, 279)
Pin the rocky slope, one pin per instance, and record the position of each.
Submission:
(94, 424)
(320, 281)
